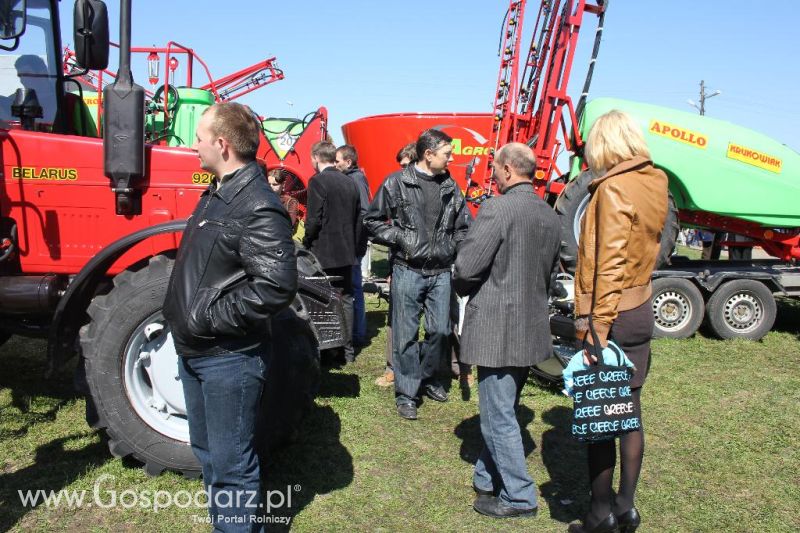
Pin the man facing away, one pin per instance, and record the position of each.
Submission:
(506, 266)
(421, 215)
(347, 163)
(235, 268)
(334, 231)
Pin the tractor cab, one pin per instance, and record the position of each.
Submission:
(35, 95)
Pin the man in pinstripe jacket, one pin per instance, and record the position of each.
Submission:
(506, 265)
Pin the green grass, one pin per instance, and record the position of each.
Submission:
(721, 451)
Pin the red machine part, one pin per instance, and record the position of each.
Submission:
(378, 139)
(530, 108)
(227, 88)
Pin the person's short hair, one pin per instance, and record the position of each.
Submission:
(277, 174)
(348, 151)
(409, 151)
(238, 125)
(519, 157)
(615, 137)
(325, 151)
(431, 140)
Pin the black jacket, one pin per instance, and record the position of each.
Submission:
(235, 268)
(396, 218)
(360, 180)
(333, 220)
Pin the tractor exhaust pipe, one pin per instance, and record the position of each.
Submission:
(123, 136)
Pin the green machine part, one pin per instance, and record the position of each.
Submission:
(282, 133)
(183, 119)
(713, 165)
(83, 115)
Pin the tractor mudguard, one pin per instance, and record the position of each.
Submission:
(68, 316)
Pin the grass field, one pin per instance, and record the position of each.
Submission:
(722, 454)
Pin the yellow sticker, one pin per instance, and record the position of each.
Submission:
(676, 133)
(754, 157)
(202, 177)
(45, 173)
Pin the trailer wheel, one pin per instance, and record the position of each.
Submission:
(132, 373)
(741, 308)
(571, 206)
(678, 308)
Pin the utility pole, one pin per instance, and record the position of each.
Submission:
(703, 96)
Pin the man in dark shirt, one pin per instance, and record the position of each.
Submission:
(421, 215)
(347, 163)
(334, 228)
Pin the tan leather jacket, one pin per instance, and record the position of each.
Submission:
(619, 242)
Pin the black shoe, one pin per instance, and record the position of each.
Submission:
(608, 525)
(435, 392)
(481, 492)
(492, 506)
(407, 411)
(629, 520)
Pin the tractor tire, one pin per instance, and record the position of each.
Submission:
(132, 375)
(678, 308)
(571, 206)
(741, 308)
(143, 416)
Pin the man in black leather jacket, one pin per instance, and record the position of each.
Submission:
(235, 268)
(421, 215)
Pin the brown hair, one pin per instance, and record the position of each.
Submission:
(409, 151)
(236, 124)
(325, 151)
(348, 151)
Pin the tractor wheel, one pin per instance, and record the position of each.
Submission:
(132, 374)
(741, 308)
(571, 206)
(678, 308)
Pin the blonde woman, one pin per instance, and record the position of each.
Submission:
(619, 243)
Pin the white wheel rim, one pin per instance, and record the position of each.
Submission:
(743, 312)
(151, 379)
(672, 310)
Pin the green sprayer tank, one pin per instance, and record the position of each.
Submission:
(184, 119)
(716, 166)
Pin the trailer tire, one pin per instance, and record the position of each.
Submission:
(678, 308)
(123, 394)
(741, 308)
(571, 206)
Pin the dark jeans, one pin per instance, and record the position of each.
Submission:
(344, 284)
(415, 362)
(501, 465)
(222, 398)
(359, 310)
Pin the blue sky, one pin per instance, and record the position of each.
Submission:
(361, 58)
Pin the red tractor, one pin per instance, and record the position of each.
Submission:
(89, 228)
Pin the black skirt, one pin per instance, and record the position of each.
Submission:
(632, 331)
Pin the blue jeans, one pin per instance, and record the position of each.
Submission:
(359, 310)
(414, 362)
(501, 465)
(222, 399)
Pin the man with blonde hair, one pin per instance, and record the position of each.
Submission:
(507, 265)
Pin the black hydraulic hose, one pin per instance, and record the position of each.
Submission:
(502, 25)
(588, 82)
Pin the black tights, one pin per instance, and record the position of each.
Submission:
(602, 459)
